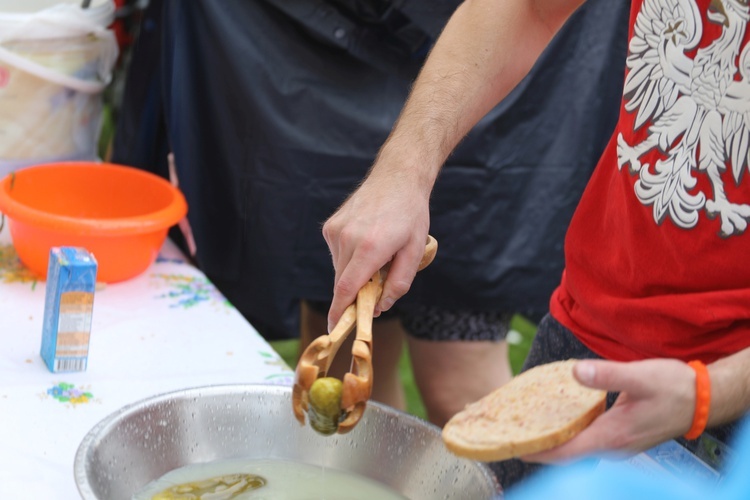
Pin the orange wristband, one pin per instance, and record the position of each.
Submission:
(702, 399)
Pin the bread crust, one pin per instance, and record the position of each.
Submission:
(537, 410)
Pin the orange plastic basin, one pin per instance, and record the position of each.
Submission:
(118, 213)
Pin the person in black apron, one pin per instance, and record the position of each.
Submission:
(275, 110)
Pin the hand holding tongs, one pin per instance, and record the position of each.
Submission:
(316, 360)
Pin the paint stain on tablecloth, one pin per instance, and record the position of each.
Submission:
(187, 291)
(286, 377)
(70, 394)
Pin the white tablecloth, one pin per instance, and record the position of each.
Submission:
(164, 330)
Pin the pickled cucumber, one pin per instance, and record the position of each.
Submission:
(216, 488)
(325, 405)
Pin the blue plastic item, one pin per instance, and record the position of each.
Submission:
(620, 481)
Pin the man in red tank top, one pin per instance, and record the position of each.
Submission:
(654, 253)
(655, 274)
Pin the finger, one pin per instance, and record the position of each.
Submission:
(341, 254)
(332, 237)
(333, 250)
(353, 277)
(400, 275)
(599, 437)
(341, 258)
(614, 376)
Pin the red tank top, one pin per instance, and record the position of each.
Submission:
(657, 253)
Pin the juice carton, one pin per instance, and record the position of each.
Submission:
(68, 307)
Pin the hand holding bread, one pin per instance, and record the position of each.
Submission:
(538, 410)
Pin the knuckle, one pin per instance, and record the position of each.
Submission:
(327, 231)
(332, 231)
(398, 288)
(344, 288)
(332, 226)
(368, 246)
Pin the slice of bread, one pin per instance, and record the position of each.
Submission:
(539, 409)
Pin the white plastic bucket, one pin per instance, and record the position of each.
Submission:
(56, 58)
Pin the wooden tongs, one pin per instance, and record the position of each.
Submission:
(318, 356)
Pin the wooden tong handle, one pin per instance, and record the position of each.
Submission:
(430, 250)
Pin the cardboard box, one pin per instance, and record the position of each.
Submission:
(68, 309)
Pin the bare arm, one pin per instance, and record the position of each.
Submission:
(487, 47)
(485, 50)
(730, 388)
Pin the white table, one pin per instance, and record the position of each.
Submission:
(164, 330)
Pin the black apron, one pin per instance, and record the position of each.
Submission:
(275, 110)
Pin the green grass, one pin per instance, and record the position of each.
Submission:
(288, 350)
(414, 403)
(517, 352)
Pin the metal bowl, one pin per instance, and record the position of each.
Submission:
(145, 440)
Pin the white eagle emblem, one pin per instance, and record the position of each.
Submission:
(698, 110)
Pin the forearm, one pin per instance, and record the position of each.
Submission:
(487, 47)
(730, 388)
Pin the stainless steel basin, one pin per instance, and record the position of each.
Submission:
(145, 440)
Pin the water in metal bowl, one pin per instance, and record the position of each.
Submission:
(144, 441)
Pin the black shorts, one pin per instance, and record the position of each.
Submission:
(440, 324)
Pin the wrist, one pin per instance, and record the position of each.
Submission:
(407, 167)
